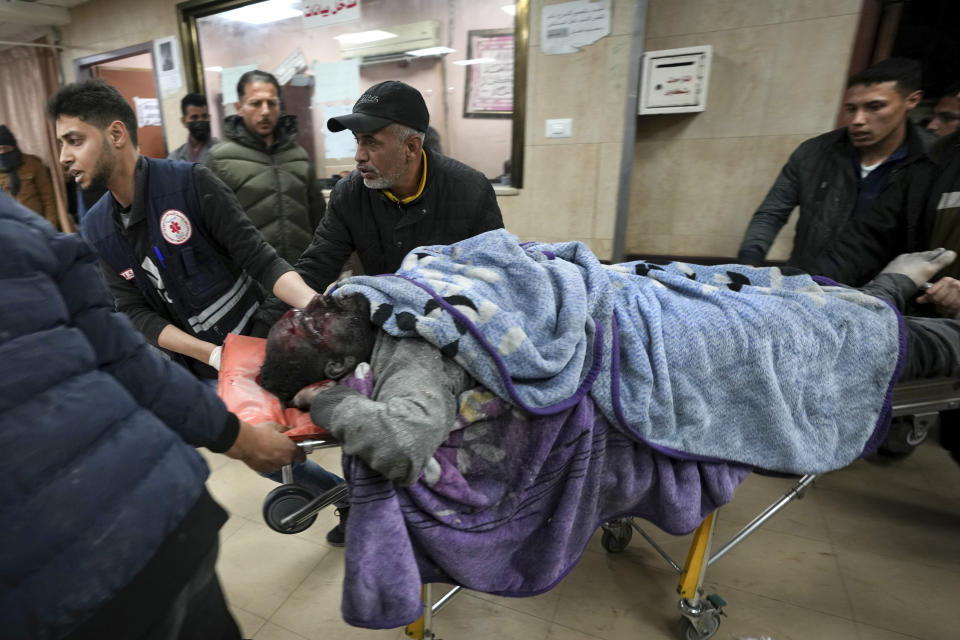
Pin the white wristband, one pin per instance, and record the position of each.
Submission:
(214, 360)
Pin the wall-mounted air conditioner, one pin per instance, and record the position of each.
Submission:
(409, 37)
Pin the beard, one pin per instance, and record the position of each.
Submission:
(386, 180)
(102, 170)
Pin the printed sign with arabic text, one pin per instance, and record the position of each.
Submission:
(322, 14)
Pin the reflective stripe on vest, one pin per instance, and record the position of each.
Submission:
(223, 305)
(949, 200)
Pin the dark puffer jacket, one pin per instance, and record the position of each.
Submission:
(95, 429)
(276, 185)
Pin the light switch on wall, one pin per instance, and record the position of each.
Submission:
(560, 128)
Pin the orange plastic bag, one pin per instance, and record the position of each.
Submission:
(238, 388)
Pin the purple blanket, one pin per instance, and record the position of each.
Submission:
(510, 506)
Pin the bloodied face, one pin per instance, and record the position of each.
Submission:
(325, 340)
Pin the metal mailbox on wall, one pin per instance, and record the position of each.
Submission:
(675, 80)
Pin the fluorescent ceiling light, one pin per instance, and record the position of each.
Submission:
(475, 61)
(362, 37)
(509, 8)
(264, 12)
(216, 69)
(430, 51)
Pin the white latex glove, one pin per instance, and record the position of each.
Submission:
(214, 360)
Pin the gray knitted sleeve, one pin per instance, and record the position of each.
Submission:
(410, 414)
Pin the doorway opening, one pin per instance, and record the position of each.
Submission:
(131, 72)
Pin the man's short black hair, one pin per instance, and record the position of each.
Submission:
(952, 90)
(94, 102)
(907, 73)
(192, 100)
(256, 76)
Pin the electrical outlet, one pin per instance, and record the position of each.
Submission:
(560, 128)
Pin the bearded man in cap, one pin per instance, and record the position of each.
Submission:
(402, 195)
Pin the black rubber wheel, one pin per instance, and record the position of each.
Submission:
(283, 501)
(616, 536)
(688, 632)
(901, 440)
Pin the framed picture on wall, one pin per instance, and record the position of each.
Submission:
(489, 85)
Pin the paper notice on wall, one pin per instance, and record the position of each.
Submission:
(228, 81)
(291, 65)
(148, 112)
(337, 81)
(166, 55)
(568, 26)
(340, 144)
(322, 14)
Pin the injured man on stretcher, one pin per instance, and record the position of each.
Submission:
(525, 392)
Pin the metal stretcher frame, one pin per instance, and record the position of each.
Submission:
(922, 399)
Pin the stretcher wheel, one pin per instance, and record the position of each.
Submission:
(711, 623)
(903, 437)
(283, 501)
(616, 535)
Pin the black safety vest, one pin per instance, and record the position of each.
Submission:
(210, 298)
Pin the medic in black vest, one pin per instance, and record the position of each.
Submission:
(183, 253)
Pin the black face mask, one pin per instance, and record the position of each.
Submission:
(11, 160)
(199, 130)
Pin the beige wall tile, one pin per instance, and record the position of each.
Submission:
(649, 244)
(806, 90)
(608, 181)
(610, 103)
(651, 193)
(724, 246)
(770, 155)
(570, 86)
(807, 9)
(692, 188)
(563, 190)
(671, 17)
(588, 86)
(514, 212)
(601, 247)
(739, 84)
(710, 197)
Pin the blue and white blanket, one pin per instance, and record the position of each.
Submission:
(725, 362)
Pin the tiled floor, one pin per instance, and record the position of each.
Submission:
(871, 553)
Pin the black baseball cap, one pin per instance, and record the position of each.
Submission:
(383, 104)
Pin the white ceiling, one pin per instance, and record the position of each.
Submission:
(27, 20)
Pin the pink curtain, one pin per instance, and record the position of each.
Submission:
(29, 76)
